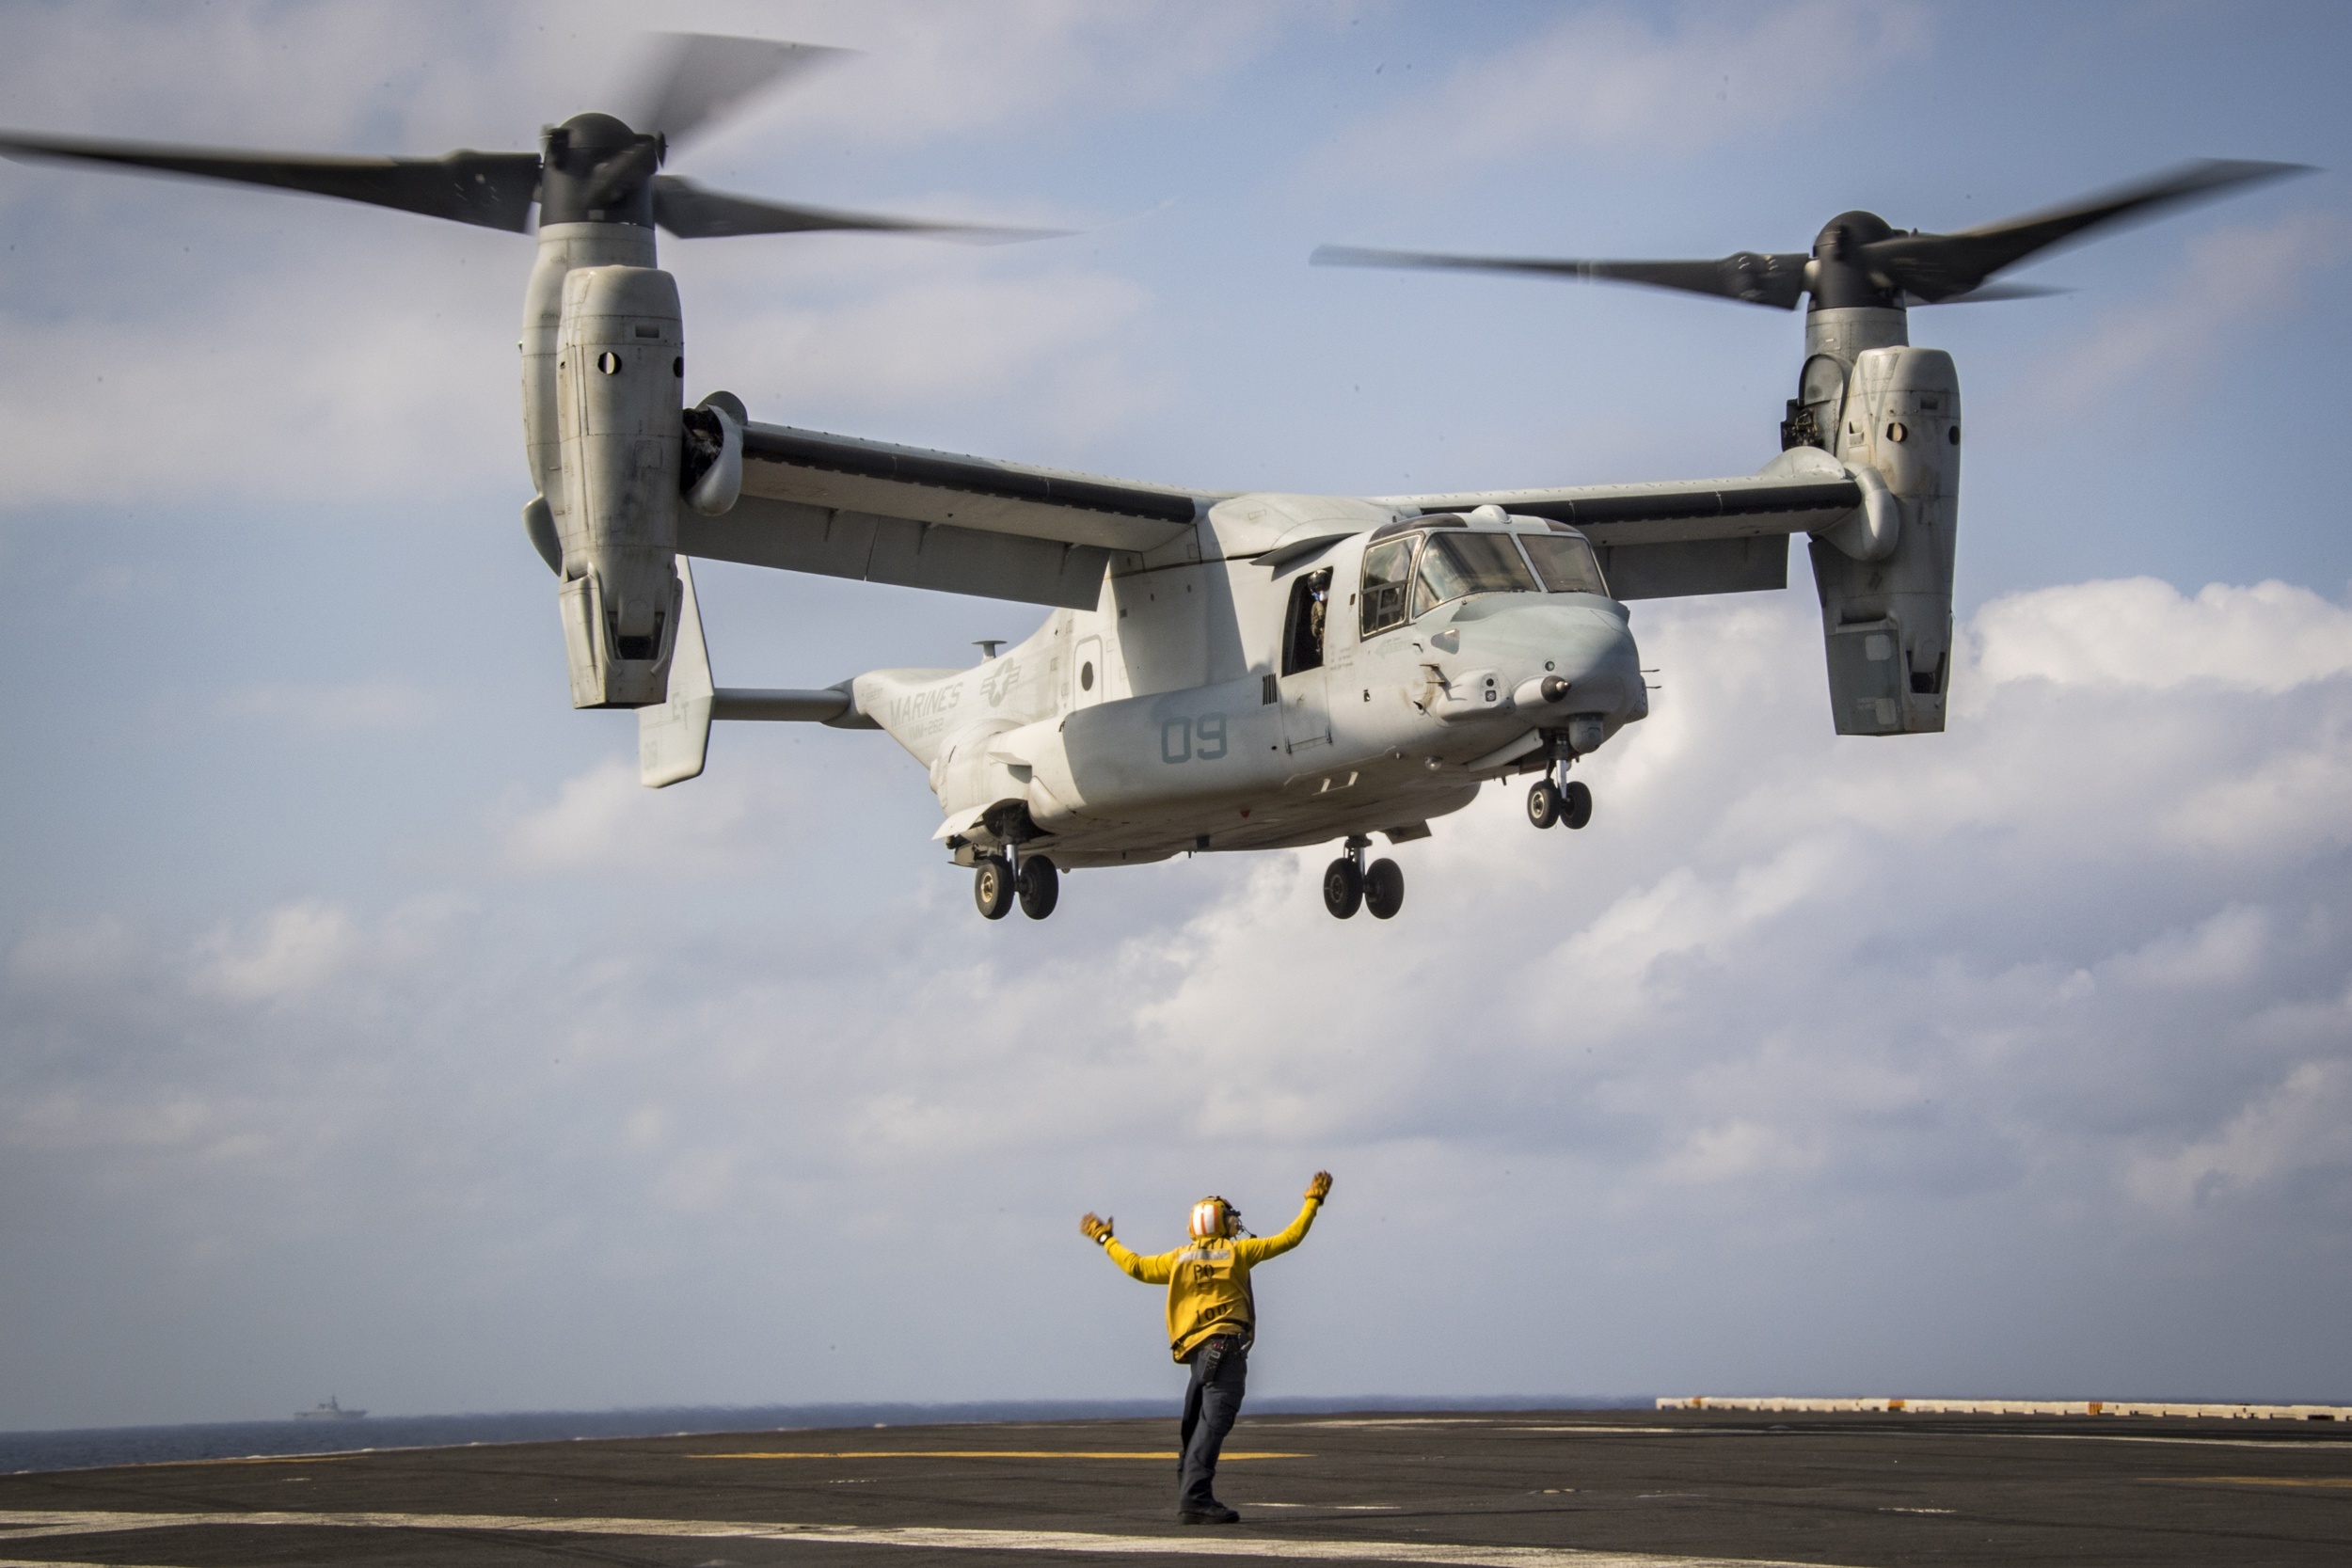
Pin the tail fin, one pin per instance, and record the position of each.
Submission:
(674, 737)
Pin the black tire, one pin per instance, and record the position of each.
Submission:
(1384, 889)
(1342, 888)
(1039, 886)
(1576, 804)
(1543, 803)
(991, 888)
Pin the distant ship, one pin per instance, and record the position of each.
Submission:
(331, 1411)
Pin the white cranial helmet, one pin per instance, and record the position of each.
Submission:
(1214, 1216)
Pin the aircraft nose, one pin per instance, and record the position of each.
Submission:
(1580, 661)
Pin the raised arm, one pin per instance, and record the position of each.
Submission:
(1258, 1249)
(1156, 1269)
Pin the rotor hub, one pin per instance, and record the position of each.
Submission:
(596, 169)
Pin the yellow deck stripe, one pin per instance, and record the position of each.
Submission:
(2274, 1480)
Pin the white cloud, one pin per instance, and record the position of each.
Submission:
(2232, 277)
(604, 821)
(2142, 634)
(1845, 1020)
(377, 371)
(933, 70)
(296, 948)
(1609, 79)
(2301, 1125)
(1789, 991)
(1045, 340)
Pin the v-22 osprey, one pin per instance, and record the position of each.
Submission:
(1217, 670)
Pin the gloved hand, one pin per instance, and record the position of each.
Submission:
(1320, 1187)
(1096, 1228)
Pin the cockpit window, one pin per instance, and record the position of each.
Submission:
(1564, 563)
(1458, 564)
(1386, 566)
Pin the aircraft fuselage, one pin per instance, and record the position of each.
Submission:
(1295, 669)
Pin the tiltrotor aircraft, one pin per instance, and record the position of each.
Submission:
(1219, 671)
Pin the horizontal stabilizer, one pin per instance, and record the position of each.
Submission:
(673, 739)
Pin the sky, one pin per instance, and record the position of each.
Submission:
(365, 1029)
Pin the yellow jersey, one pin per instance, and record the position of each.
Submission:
(1208, 1281)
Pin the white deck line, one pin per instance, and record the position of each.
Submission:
(2021, 1407)
(27, 1525)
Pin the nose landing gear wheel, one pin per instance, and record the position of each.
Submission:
(1039, 886)
(1342, 887)
(1543, 803)
(991, 888)
(1384, 889)
(1576, 804)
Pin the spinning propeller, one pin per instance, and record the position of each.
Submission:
(1859, 260)
(592, 167)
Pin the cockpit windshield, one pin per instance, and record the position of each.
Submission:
(1453, 566)
(1565, 563)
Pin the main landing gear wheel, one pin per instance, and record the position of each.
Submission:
(1543, 803)
(991, 888)
(1384, 889)
(1039, 886)
(1576, 804)
(1342, 887)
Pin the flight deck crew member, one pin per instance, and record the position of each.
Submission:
(1212, 1318)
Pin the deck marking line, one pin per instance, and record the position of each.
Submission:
(1166, 1454)
(1931, 1433)
(23, 1525)
(2267, 1480)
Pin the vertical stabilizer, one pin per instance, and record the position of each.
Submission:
(673, 737)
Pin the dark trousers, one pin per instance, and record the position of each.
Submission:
(1220, 1371)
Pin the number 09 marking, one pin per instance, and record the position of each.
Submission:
(1193, 740)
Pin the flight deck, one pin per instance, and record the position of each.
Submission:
(1565, 1489)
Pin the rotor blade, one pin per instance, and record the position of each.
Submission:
(692, 213)
(1936, 267)
(695, 80)
(1988, 292)
(491, 189)
(1777, 281)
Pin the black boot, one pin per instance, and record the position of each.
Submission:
(1214, 1514)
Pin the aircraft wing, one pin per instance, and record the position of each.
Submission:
(1686, 536)
(879, 513)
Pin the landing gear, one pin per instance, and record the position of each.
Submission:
(1039, 886)
(1543, 803)
(992, 887)
(1342, 887)
(1349, 885)
(1556, 797)
(996, 882)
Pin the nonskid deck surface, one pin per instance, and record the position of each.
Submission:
(1568, 1489)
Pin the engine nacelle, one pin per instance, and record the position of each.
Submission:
(1885, 574)
(620, 368)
